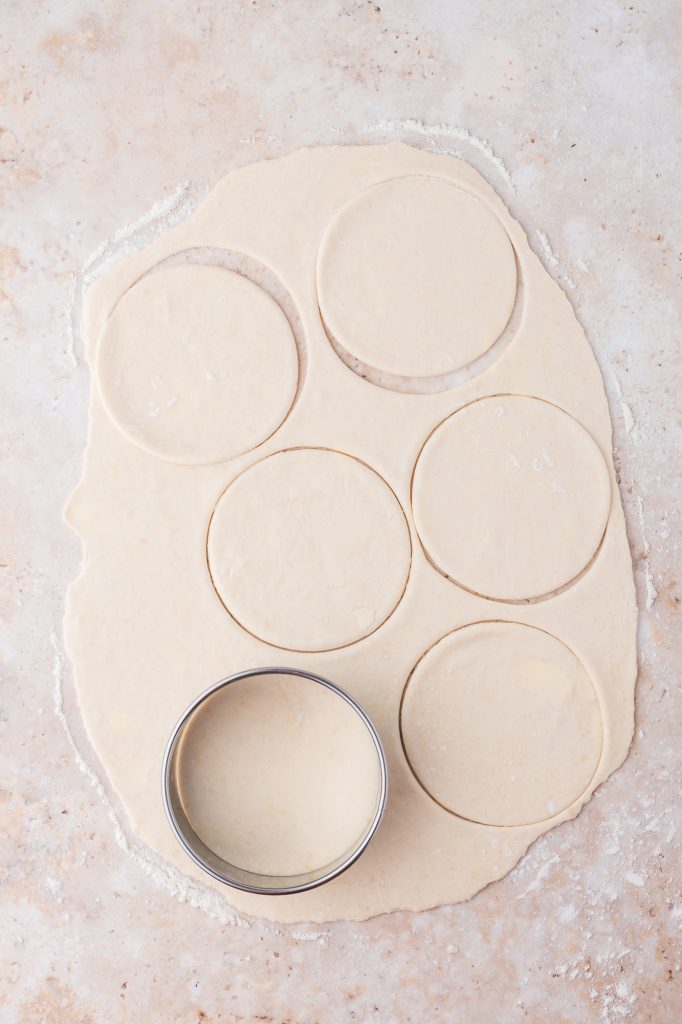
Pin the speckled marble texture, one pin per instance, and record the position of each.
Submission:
(106, 108)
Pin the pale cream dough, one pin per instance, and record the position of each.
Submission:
(183, 354)
(309, 550)
(416, 277)
(278, 775)
(511, 497)
(146, 627)
(501, 724)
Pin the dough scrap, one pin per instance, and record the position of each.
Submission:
(146, 629)
(511, 497)
(197, 364)
(416, 277)
(501, 724)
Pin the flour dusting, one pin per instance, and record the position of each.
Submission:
(552, 261)
(651, 592)
(549, 253)
(628, 417)
(625, 409)
(540, 876)
(631, 431)
(320, 937)
(436, 132)
(166, 212)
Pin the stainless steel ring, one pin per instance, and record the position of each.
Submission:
(230, 874)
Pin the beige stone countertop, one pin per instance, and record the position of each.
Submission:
(572, 111)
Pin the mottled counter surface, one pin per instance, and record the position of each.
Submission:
(572, 111)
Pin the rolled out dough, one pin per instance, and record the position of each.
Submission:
(501, 724)
(309, 550)
(511, 497)
(416, 277)
(181, 357)
(414, 261)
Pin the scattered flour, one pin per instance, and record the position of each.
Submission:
(321, 937)
(254, 140)
(55, 887)
(552, 261)
(436, 132)
(625, 410)
(549, 253)
(542, 874)
(628, 418)
(166, 212)
(651, 592)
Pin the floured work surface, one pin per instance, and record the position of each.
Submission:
(265, 484)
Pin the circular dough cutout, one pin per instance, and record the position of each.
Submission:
(511, 498)
(278, 774)
(197, 364)
(501, 724)
(416, 277)
(309, 550)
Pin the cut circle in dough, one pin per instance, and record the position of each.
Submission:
(197, 364)
(416, 277)
(501, 724)
(278, 774)
(309, 550)
(511, 497)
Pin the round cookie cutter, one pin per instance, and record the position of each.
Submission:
(230, 874)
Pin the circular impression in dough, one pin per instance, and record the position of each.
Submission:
(197, 364)
(278, 775)
(309, 550)
(416, 277)
(511, 497)
(501, 724)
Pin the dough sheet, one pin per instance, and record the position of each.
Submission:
(453, 556)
